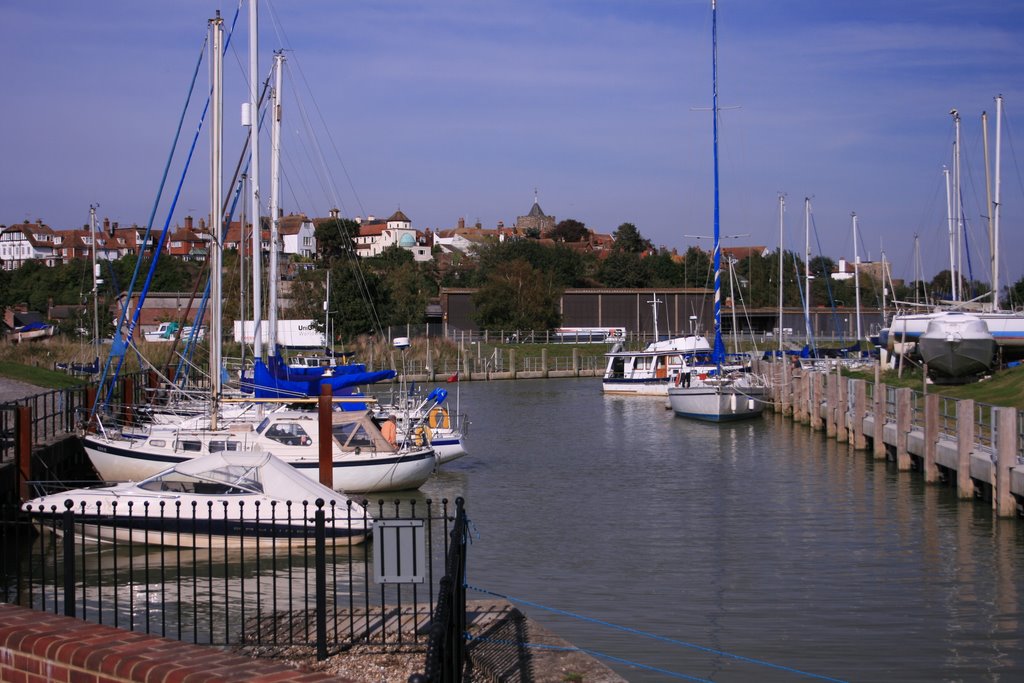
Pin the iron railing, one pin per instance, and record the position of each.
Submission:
(274, 590)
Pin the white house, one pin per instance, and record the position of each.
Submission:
(26, 242)
(375, 236)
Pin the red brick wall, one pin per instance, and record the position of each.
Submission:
(38, 647)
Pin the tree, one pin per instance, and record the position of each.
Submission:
(517, 296)
(569, 230)
(335, 237)
(697, 268)
(628, 238)
(622, 269)
(567, 266)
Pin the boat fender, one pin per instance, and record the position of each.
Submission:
(420, 436)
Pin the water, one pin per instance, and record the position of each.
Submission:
(759, 539)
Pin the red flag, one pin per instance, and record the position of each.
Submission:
(454, 378)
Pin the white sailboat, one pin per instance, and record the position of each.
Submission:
(720, 389)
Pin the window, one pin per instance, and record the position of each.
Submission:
(289, 434)
(188, 445)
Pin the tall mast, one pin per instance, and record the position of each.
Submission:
(95, 282)
(988, 204)
(782, 212)
(996, 206)
(275, 200)
(654, 304)
(718, 352)
(856, 273)
(807, 267)
(254, 170)
(957, 207)
(216, 212)
(952, 229)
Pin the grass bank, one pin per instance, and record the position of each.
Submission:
(1003, 388)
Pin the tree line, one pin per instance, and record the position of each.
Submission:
(518, 282)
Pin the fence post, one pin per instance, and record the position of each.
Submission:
(931, 437)
(1006, 458)
(69, 559)
(320, 537)
(903, 419)
(964, 446)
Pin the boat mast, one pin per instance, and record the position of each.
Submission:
(949, 221)
(216, 215)
(782, 212)
(254, 170)
(856, 272)
(95, 282)
(997, 204)
(654, 304)
(988, 203)
(718, 352)
(275, 199)
(957, 206)
(807, 268)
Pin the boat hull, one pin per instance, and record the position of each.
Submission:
(717, 403)
(636, 387)
(118, 460)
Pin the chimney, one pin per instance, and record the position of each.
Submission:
(188, 222)
(106, 225)
(462, 223)
(334, 213)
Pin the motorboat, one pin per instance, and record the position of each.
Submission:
(225, 499)
(649, 372)
(957, 346)
(167, 331)
(363, 460)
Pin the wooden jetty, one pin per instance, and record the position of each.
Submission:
(976, 445)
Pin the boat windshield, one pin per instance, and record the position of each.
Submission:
(221, 481)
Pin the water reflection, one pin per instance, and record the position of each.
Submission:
(760, 538)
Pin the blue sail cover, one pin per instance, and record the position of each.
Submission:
(281, 370)
(264, 384)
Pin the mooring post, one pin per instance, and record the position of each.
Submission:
(787, 388)
(860, 403)
(512, 362)
(576, 362)
(326, 445)
(127, 399)
(904, 415)
(931, 437)
(842, 404)
(965, 446)
(23, 448)
(817, 392)
(1006, 458)
(878, 444)
(831, 407)
(544, 362)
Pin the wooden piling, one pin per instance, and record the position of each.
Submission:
(931, 437)
(326, 450)
(815, 391)
(1006, 459)
(860, 403)
(544, 363)
(23, 448)
(904, 415)
(831, 407)
(878, 438)
(512, 362)
(965, 445)
(787, 388)
(843, 402)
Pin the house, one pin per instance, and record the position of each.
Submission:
(376, 235)
(298, 235)
(27, 242)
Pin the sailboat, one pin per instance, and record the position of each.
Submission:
(718, 388)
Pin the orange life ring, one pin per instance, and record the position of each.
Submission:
(438, 417)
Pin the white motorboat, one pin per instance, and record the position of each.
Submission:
(167, 331)
(717, 389)
(362, 459)
(227, 500)
(957, 347)
(444, 432)
(649, 372)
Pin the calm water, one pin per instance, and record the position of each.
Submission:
(761, 540)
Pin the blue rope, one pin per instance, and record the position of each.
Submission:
(664, 639)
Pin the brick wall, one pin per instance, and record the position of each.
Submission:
(40, 646)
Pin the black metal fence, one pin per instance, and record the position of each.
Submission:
(251, 585)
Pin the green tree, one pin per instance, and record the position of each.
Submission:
(567, 266)
(569, 230)
(517, 296)
(628, 238)
(335, 237)
(622, 269)
(697, 268)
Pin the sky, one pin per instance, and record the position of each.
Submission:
(598, 108)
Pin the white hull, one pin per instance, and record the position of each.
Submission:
(957, 345)
(650, 372)
(717, 402)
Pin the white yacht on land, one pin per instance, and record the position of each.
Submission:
(650, 372)
(363, 460)
(957, 347)
(228, 499)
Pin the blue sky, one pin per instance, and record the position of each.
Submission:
(461, 108)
